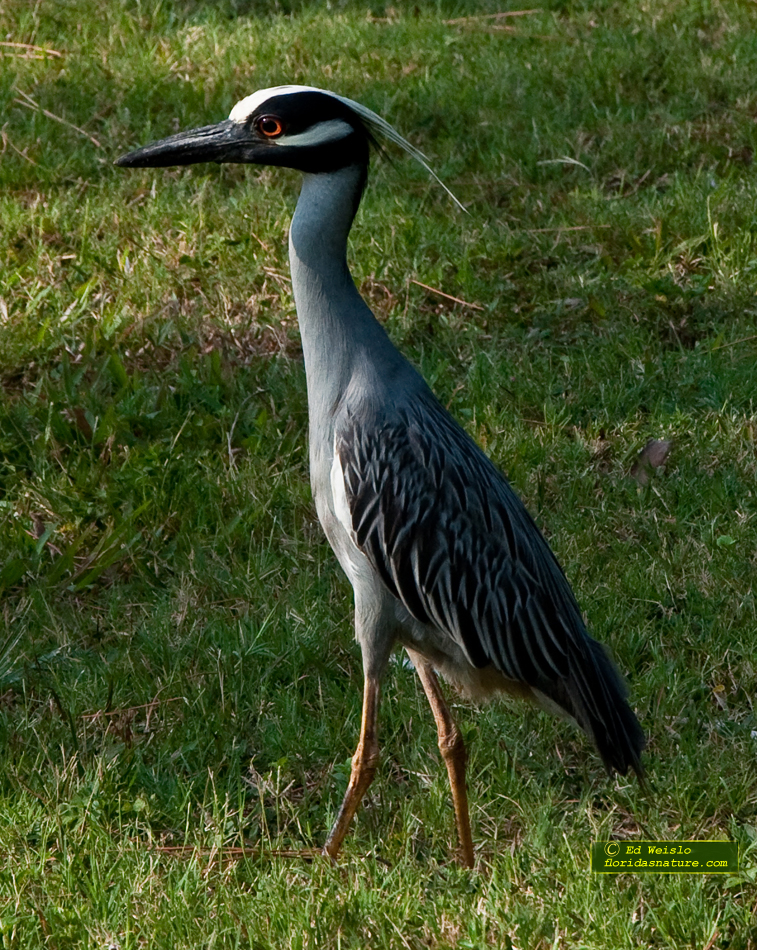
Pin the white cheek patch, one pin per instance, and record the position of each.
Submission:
(378, 126)
(319, 134)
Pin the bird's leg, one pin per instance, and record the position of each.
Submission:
(452, 748)
(364, 763)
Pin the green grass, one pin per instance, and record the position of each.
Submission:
(177, 666)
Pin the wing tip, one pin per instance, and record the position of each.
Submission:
(621, 747)
(616, 731)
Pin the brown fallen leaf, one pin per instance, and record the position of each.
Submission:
(652, 456)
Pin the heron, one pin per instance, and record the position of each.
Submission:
(444, 559)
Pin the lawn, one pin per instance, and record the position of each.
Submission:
(179, 684)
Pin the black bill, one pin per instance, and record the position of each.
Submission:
(224, 142)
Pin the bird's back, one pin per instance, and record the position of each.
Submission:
(451, 540)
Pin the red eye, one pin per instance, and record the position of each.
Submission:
(270, 126)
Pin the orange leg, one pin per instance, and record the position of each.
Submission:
(453, 752)
(364, 763)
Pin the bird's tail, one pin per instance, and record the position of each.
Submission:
(595, 695)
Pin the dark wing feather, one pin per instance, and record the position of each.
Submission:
(452, 541)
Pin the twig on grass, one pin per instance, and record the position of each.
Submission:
(131, 709)
(492, 23)
(29, 103)
(6, 142)
(565, 160)
(723, 346)
(27, 48)
(488, 16)
(233, 853)
(575, 227)
(230, 436)
(440, 293)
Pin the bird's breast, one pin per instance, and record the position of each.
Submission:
(337, 523)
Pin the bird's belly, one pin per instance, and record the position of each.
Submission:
(448, 658)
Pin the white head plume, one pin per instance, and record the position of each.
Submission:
(376, 125)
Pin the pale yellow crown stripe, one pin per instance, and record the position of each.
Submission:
(245, 107)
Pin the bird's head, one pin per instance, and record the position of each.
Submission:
(300, 127)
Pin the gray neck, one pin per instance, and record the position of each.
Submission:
(336, 325)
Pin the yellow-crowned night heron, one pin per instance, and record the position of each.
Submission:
(443, 557)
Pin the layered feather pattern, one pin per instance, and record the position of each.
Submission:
(453, 542)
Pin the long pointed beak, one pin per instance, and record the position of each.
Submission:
(224, 142)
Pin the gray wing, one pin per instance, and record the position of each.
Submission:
(454, 543)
